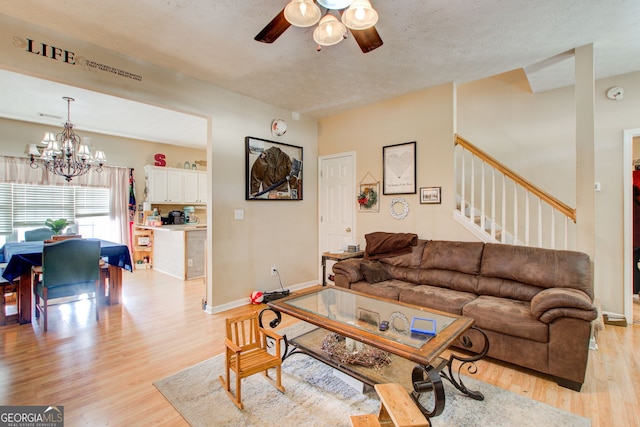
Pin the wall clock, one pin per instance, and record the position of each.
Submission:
(278, 127)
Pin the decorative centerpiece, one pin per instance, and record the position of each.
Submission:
(57, 226)
(336, 346)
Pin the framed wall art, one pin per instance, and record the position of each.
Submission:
(273, 170)
(399, 168)
(430, 195)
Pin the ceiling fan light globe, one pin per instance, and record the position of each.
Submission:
(302, 13)
(330, 31)
(335, 4)
(360, 15)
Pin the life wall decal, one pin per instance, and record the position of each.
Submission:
(69, 57)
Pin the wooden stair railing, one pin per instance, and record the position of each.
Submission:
(478, 200)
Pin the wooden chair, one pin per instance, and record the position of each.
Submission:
(7, 288)
(69, 267)
(247, 354)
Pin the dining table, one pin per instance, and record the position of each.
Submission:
(21, 257)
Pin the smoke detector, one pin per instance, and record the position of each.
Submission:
(616, 93)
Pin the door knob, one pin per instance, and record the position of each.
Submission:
(348, 230)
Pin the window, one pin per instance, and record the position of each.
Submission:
(24, 207)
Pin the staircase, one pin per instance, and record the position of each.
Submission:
(498, 206)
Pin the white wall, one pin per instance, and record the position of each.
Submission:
(241, 251)
(534, 134)
(426, 117)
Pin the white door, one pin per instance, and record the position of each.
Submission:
(337, 201)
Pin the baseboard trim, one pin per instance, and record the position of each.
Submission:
(244, 301)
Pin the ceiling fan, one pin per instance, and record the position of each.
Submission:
(355, 15)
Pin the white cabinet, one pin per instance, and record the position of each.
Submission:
(202, 187)
(172, 185)
(175, 185)
(195, 187)
(156, 179)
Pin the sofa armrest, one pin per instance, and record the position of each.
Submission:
(552, 303)
(349, 269)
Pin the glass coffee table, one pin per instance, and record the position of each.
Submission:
(354, 320)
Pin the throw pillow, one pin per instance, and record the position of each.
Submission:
(374, 272)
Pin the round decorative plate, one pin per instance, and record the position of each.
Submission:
(403, 204)
(278, 127)
(399, 323)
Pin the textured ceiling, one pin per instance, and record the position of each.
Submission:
(426, 43)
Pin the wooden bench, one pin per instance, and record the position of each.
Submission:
(397, 408)
(369, 420)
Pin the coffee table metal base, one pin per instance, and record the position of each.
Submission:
(423, 380)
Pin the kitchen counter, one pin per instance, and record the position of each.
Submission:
(179, 250)
(177, 227)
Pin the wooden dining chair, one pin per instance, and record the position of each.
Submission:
(69, 268)
(8, 291)
(247, 353)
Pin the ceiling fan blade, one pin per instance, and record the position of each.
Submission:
(368, 39)
(274, 29)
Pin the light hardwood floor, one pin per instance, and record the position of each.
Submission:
(103, 372)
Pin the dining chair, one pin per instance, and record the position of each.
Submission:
(247, 353)
(69, 268)
(39, 234)
(8, 292)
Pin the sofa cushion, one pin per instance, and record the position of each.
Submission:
(437, 298)
(389, 289)
(504, 288)
(545, 268)
(506, 316)
(464, 257)
(374, 272)
(448, 279)
(411, 259)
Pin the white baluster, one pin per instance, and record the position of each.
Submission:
(539, 222)
(503, 221)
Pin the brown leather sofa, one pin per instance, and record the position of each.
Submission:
(535, 305)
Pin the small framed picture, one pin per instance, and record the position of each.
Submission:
(430, 195)
(368, 316)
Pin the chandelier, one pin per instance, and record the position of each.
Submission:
(66, 154)
(356, 15)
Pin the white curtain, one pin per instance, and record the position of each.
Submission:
(19, 170)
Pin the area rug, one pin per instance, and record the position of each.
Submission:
(316, 397)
